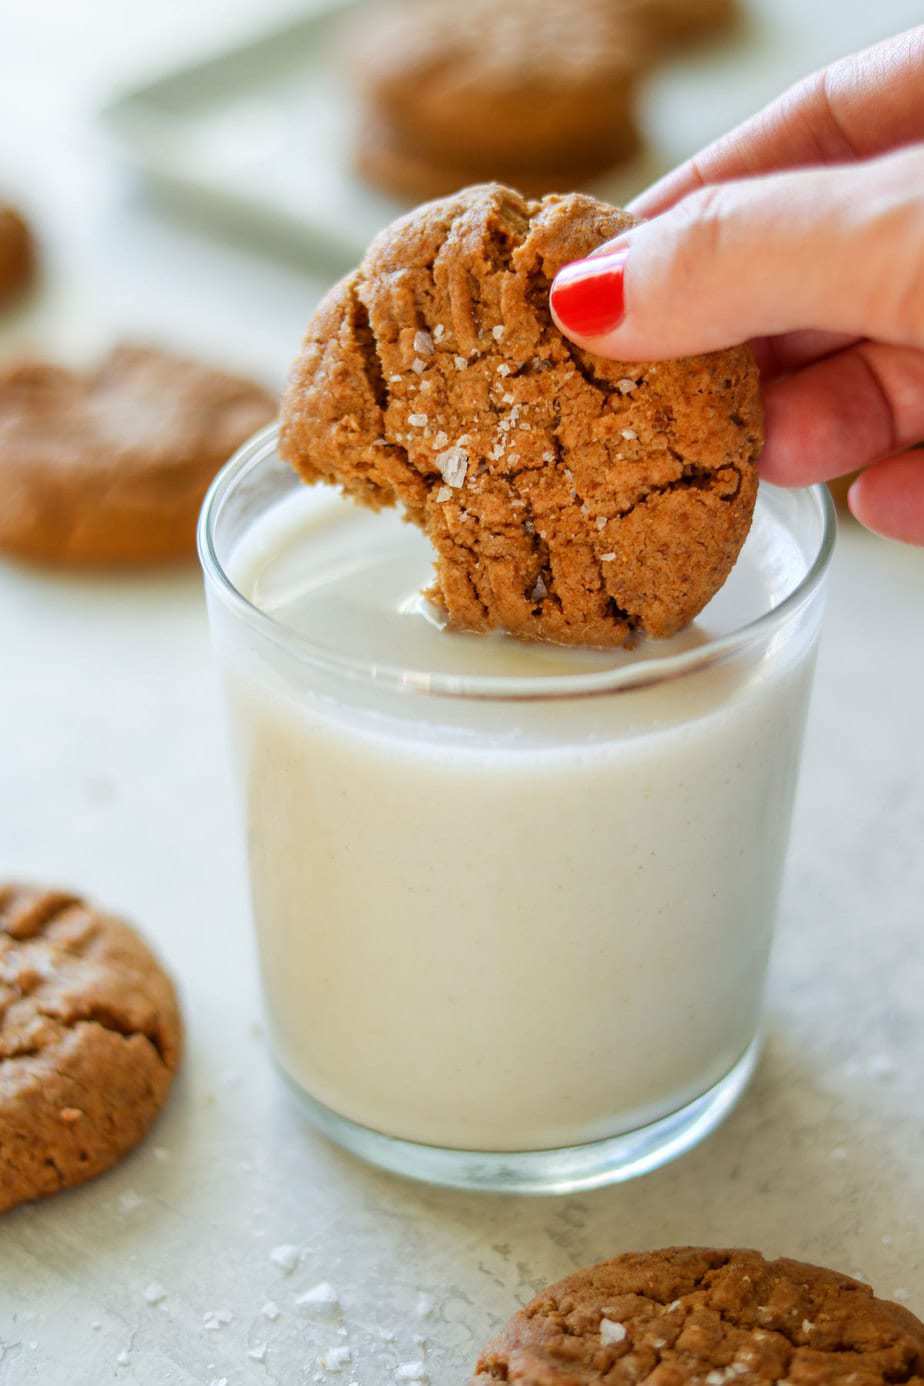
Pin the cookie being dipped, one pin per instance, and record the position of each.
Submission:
(569, 499)
(686, 1316)
(90, 1040)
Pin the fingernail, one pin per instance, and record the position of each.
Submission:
(588, 296)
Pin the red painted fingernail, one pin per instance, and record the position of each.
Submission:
(588, 296)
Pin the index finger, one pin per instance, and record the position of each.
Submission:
(866, 104)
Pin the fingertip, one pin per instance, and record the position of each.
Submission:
(888, 498)
(587, 297)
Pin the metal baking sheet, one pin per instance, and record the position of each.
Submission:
(257, 139)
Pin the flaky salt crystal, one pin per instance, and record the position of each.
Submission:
(463, 440)
(550, 457)
(611, 1332)
(443, 494)
(423, 343)
(497, 332)
(335, 1359)
(441, 439)
(607, 558)
(418, 366)
(321, 1299)
(503, 368)
(395, 379)
(629, 433)
(600, 522)
(412, 1371)
(285, 1256)
(460, 362)
(626, 386)
(506, 399)
(417, 420)
(439, 332)
(539, 592)
(453, 464)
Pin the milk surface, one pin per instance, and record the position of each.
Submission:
(503, 925)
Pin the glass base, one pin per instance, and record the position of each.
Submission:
(569, 1169)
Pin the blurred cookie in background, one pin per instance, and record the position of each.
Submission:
(109, 467)
(669, 23)
(17, 255)
(535, 93)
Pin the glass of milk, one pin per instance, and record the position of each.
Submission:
(514, 903)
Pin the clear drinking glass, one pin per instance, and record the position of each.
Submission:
(513, 930)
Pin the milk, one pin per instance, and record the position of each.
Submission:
(504, 923)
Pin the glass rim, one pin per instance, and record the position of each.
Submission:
(645, 674)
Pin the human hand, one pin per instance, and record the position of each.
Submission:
(821, 267)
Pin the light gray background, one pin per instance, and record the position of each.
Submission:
(114, 780)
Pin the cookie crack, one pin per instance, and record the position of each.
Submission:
(39, 913)
(104, 1017)
(371, 360)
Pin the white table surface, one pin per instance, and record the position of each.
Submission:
(114, 780)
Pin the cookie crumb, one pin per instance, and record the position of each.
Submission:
(335, 1359)
(213, 1319)
(321, 1298)
(412, 1371)
(286, 1257)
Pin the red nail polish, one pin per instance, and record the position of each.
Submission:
(588, 296)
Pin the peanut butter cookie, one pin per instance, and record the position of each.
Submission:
(672, 22)
(17, 255)
(109, 467)
(528, 92)
(708, 1318)
(90, 1039)
(569, 499)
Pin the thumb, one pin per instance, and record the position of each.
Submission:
(839, 249)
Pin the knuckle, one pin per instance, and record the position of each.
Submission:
(704, 216)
